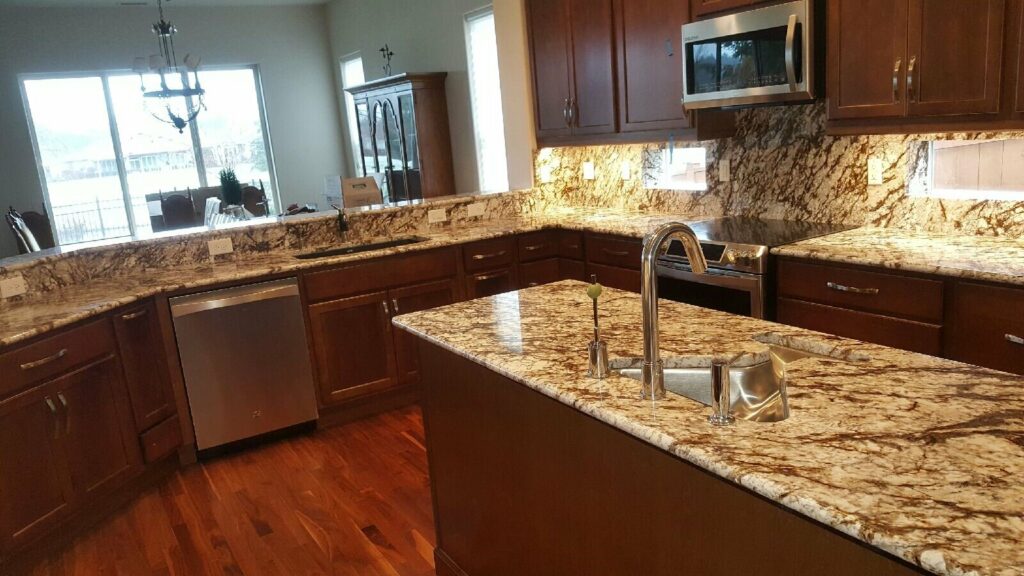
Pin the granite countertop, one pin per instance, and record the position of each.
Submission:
(994, 259)
(48, 311)
(917, 456)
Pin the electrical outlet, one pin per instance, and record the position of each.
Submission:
(876, 172)
(724, 170)
(626, 170)
(220, 246)
(476, 209)
(13, 286)
(437, 216)
(547, 174)
(589, 172)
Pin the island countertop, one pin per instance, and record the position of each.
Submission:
(914, 455)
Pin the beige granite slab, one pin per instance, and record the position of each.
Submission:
(917, 456)
(991, 258)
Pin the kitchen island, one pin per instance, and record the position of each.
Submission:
(890, 463)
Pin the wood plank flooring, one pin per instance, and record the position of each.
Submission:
(354, 499)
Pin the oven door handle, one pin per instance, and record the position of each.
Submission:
(791, 52)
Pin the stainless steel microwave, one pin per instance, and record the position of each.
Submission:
(759, 56)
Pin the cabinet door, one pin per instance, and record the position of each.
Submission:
(352, 344)
(414, 299)
(986, 326)
(867, 47)
(34, 491)
(100, 443)
(650, 64)
(593, 64)
(491, 282)
(704, 7)
(956, 55)
(539, 272)
(549, 54)
(145, 366)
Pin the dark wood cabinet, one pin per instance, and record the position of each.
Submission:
(491, 282)
(409, 299)
(705, 7)
(986, 326)
(539, 272)
(140, 344)
(650, 64)
(550, 54)
(614, 260)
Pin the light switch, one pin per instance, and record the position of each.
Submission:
(546, 174)
(724, 170)
(437, 216)
(626, 170)
(589, 173)
(220, 246)
(876, 172)
(13, 286)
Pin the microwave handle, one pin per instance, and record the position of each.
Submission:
(790, 54)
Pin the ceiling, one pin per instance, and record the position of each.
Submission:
(172, 3)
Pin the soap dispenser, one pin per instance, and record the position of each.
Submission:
(597, 366)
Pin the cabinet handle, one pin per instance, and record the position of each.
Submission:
(134, 315)
(534, 248)
(619, 253)
(44, 361)
(486, 277)
(910, 78)
(532, 284)
(896, 80)
(489, 256)
(394, 306)
(565, 113)
(1015, 339)
(384, 307)
(53, 413)
(573, 112)
(851, 289)
(67, 413)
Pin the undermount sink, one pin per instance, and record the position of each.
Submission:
(357, 248)
(758, 392)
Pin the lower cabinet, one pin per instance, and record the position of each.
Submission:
(986, 326)
(416, 298)
(615, 261)
(491, 282)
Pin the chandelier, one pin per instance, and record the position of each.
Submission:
(180, 98)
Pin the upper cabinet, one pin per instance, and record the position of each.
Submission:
(914, 61)
(705, 7)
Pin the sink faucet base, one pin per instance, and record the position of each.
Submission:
(653, 378)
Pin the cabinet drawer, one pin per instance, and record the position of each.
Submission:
(614, 277)
(380, 274)
(161, 440)
(572, 270)
(539, 272)
(889, 294)
(491, 282)
(570, 244)
(54, 355)
(884, 330)
(986, 326)
(614, 251)
(538, 245)
(489, 254)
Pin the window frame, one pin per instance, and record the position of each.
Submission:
(197, 149)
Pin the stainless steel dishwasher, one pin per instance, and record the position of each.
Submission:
(245, 360)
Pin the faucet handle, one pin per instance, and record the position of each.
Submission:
(721, 399)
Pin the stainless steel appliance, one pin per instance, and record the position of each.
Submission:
(740, 275)
(245, 360)
(754, 57)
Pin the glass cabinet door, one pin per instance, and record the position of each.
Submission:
(365, 160)
(407, 112)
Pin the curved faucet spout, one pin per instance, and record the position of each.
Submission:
(653, 372)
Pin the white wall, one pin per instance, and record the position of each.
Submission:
(428, 36)
(290, 45)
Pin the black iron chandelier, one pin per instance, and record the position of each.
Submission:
(180, 97)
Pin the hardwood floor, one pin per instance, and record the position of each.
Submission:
(354, 499)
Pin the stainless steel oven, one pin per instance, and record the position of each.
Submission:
(759, 56)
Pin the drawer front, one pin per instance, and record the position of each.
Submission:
(538, 245)
(491, 282)
(889, 294)
(539, 272)
(614, 277)
(570, 244)
(614, 251)
(884, 330)
(380, 274)
(986, 326)
(161, 440)
(572, 270)
(54, 355)
(489, 254)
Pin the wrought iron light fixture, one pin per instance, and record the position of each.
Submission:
(179, 99)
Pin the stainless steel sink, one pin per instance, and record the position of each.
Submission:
(758, 391)
(357, 248)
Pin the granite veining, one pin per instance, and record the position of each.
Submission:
(917, 456)
(994, 259)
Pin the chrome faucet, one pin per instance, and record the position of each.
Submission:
(653, 372)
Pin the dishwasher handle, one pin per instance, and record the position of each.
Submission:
(257, 294)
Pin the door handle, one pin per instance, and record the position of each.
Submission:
(486, 277)
(67, 413)
(565, 113)
(618, 253)
(53, 416)
(791, 52)
(489, 256)
(534, 247)
(573, 109)
(896, 80)
(910, 78)
(1013, 339)
(133, 315)
(394, 306)
(44, 361)
(851, 289)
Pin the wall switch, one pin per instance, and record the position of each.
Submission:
(437, 216)
(589, 173)
(724, 170)
(876, 172)
(476, 209)
(13, 286)
(626, 170)
(220, 246)
(546, 174)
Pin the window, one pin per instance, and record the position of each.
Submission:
(672, 167)
(352, 75)
(974, 170)
(103, 157)
(485, 92)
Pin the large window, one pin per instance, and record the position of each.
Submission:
(104, 158)
(352, 75)
(485, 92)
